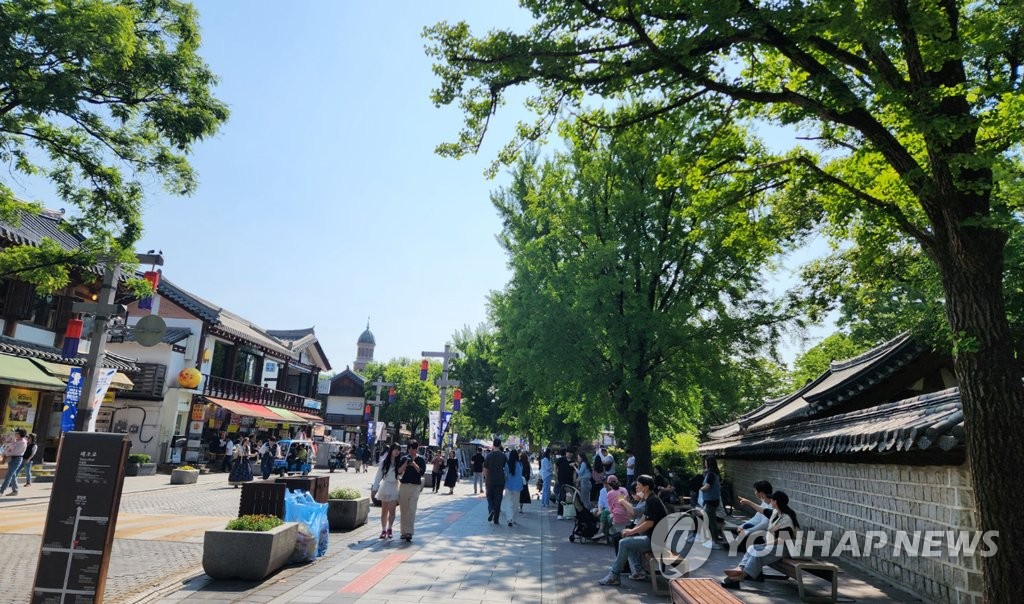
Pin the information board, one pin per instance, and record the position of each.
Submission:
(79, 532)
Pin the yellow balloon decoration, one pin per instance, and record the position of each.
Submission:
(189, 377)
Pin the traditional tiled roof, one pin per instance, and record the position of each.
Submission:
(207, 311)
(33, 228)
(48, 353)
(173, 335)
(291, 334)
(299, 340)
(923, 422)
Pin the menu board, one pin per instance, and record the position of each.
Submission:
(79, 530)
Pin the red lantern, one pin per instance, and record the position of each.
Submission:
(391, 394)
(366, 413)
(457, 400)
(424, 365)
(72, 336)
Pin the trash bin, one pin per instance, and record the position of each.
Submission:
(262, 498)
(318, 486)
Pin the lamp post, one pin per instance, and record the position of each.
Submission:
(376, 402)
(104, 309)
(446, 357)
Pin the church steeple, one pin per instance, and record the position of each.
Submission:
(364, 348)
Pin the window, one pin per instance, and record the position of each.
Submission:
(248, 367)
(219, 362)
(44, 311)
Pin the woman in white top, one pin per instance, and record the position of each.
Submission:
(782, 528)
(545, 478)
(385, 485)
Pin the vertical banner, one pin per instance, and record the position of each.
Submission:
(72, 394)
(446, 417)
(435, 428)
(371, 432)
(102, 384)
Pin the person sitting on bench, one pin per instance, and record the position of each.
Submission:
(637, 540)
(762, 508)
(782, 527)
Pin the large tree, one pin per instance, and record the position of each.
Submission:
(413, 398)
(97, 97)
(637, 259)
(918, 108)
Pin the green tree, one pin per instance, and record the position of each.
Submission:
(413, 398)
(917, 107)
(637, 259)
(97, 96)
(816, 360)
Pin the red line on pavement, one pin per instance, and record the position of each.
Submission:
(452, 517)
(365, 581)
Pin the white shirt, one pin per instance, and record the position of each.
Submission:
(609, 463)
(229, 448)
(602, 500)
(631, 465)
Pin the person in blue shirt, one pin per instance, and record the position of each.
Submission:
(513, 484)
(711, 498)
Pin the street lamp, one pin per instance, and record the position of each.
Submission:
(446, 357)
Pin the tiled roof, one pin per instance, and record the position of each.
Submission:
(48, 353)
(172, 336)
(33, 228)
(290, 334)
(923, 422)
(207, 311)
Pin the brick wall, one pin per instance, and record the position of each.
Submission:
(867, 497)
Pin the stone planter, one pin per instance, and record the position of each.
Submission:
(347, 514)
(184, 476)
(248, 555)
(140, 469)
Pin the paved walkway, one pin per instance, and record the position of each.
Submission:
(458, 557)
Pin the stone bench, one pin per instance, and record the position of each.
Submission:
(796, 569)
(700, 591)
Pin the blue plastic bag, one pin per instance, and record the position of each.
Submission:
(314, 530)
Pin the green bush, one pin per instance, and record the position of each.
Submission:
(345, 493)
(139, 458)
(254, 522)
(678, 453)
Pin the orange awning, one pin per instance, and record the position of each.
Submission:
(247, 409)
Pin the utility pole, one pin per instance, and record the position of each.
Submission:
(376, 402)
(103, 309)
(446, 357)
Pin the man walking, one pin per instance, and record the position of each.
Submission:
(495, 465)
(15, 451)
(478, 470)
(409, 489)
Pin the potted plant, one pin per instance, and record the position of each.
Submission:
(138, 465)
(249, 548)
(347, 509)
(184, 475)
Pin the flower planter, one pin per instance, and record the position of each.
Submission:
(248, 555)
(140, 469)
(347, 514)
(184, 476)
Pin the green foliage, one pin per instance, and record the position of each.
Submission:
(139, 458)
(816, 361)
(678, 453)
(99, 98)
(345, 493)
(413, 399)
(259, 523)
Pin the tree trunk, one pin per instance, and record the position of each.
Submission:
(639, 440)
(992, 394)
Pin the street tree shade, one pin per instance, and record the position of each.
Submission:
(918, 106)
(96, 97)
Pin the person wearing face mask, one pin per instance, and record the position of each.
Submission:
(637, 540)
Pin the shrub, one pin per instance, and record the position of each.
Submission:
(186, 468)
(678, 453)
(254, 522)
(139, 458)
(345, 493)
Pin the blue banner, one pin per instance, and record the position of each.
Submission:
(72, 394)
(371, 432)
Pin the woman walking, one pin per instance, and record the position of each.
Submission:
(30, 451)
(545, 478)
(385, 485)
(451, 469)
(524, 495)
(513, 484)
(710, 497)
(437, 469)
(241, 471)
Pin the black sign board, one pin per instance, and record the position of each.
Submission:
(80, 522)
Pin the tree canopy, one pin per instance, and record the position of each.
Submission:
(96, 97)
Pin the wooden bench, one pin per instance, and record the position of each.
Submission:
(700, 591)
(796, 570)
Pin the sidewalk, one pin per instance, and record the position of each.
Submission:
(458, 557)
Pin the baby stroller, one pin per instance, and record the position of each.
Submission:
(587, 526)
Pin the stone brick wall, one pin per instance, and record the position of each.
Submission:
(872, 497)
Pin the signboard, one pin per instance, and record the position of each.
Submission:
(21, 409)
(80, 521)
(311, 403)
(72, 394)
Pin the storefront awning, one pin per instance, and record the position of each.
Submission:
(120, 381)
(246, 409)
(23, 373)
(292, 417)
(316, 419)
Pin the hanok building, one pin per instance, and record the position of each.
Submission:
(344, 411)
(876, 443)
(33, 372)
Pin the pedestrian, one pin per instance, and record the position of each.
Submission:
(229, 455)
(545, 478)
(14, 452)
(524, 494)
(386, 488)
(367, 454)
(710, 497)
(31, 448)
(583, 479)
(564, 474)
(596, 476)
(437, 469)
(608, 460)
(268, 453)
(477, 462)
(410, 487)
(513, 486)
(494, 480)
(451, 472)
(359, 458)
(630, 471)
(241, 471)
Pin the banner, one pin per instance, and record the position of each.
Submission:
(21, 409)
(72, 394)
(434, 420)
(102, 384)
(374, 431)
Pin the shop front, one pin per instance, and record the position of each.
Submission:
(27, 395)
(211, 416)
